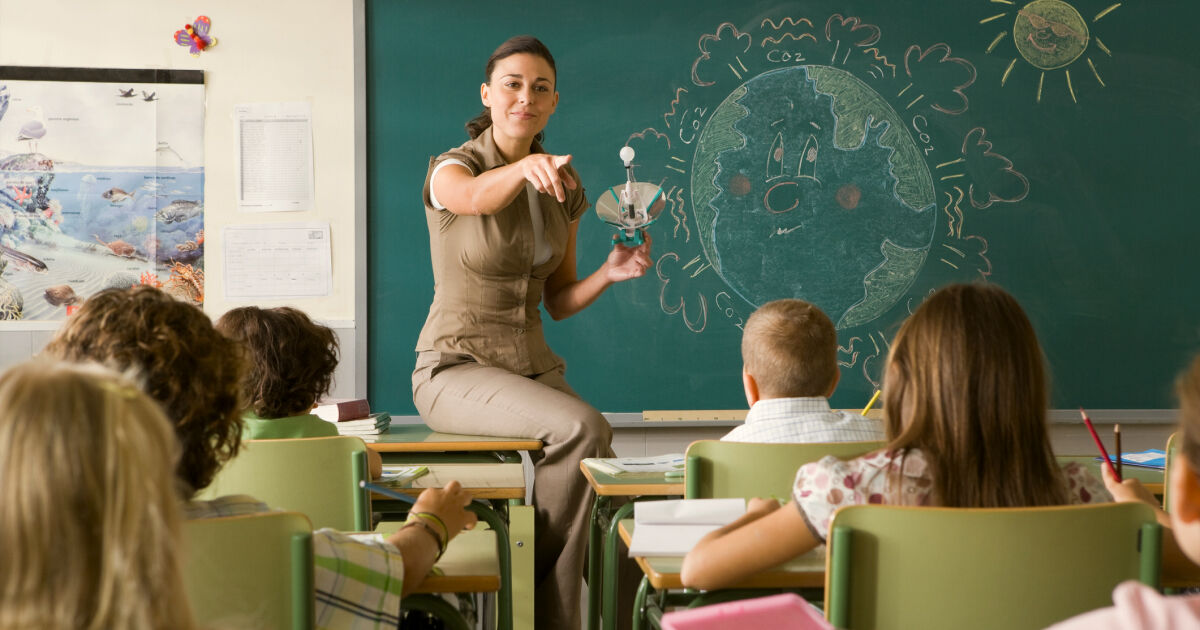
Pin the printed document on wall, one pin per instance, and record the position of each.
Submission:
(274, 157)
(277, 260)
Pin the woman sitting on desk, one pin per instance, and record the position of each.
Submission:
(503, 216)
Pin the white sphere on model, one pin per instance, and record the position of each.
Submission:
(626, 155)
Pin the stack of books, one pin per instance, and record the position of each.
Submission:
(354, 417)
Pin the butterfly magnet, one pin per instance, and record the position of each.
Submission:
(195, 36)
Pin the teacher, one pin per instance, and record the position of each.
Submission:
(503, 216)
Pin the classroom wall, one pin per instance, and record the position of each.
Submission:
(267, 51)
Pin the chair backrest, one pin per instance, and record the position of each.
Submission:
(718, 469)
(1172, 448)
(253, 571)
(929, 568)
(318, 477)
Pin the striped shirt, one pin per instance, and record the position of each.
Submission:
(803, 420)
(358, 580)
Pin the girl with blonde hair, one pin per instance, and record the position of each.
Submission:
(89, 511)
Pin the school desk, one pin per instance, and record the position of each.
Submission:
(1151, 478)
(418, 444)
(602, 574)
(419, 438)
(662, 576)
(470, 565)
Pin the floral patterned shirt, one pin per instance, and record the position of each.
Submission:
(829, 483)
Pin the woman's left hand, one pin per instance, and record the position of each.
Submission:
(626, 262)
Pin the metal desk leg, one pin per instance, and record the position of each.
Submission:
(595, 577)
(612, 544)
(504, 602)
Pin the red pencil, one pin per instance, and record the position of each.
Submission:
(1100, 445)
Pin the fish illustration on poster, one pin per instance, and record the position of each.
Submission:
(101, 186)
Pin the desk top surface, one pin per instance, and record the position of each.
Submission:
(805, 571)
(470, 565)
(1151, 478)
(633, 485)
(483, 481)
(419, 438)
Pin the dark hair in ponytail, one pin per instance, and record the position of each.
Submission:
(526, 44)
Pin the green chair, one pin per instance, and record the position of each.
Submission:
(716, 469)
(906, 567)
(253, 571)
(318, 477)
(1172, 450)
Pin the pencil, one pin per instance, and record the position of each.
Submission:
(1100, 445)
(1117, 436)
(872, 403)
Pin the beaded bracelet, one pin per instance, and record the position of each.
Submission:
(441, 545)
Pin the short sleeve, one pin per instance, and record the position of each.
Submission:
(1083, 486)
(577, 201)
(358, 580)
(433, 200)
(823, 486)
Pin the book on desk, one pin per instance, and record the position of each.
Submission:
(1152, 458)
(671, 464)
(672, 528)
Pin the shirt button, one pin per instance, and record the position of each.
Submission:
(524, 276)
(519, 331)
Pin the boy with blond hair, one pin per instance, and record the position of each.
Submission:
(789, 370)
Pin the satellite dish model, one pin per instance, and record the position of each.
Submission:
(631, 206)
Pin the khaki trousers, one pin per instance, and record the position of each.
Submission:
(462, 396)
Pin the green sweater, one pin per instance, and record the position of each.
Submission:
(303, 426)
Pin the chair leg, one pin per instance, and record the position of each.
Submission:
(639, 604)
(504, 602)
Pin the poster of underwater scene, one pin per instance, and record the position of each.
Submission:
(101, 185)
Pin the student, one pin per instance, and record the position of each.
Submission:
(965, 413)
(89, 517)
(789, 370)
(290, 361)
(193, 372)
(1138, 606)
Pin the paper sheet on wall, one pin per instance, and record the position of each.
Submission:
(277, 260)
(275, 157)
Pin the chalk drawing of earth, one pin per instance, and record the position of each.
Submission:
(807, 184)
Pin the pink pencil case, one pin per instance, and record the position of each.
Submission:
(778, 612)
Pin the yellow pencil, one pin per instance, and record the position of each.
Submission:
(872, 403)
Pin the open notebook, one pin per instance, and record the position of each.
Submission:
(672, 528)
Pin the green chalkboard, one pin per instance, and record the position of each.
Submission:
(856, 154)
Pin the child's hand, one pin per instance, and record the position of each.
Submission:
(448, 503)
(761, 506)
(1128, 491)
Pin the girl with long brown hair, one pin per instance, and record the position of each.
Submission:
(965, 413)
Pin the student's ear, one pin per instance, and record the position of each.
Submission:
(484, 95)
(837, 376)
(751, 387)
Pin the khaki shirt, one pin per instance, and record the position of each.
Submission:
(486, 289)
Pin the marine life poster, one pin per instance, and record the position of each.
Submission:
(101, 185)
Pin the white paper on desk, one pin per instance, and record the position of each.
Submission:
(670, 462)
(672, 528)
(274, 156)
(277, 260)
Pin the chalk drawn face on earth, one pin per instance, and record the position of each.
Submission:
(818, 192)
